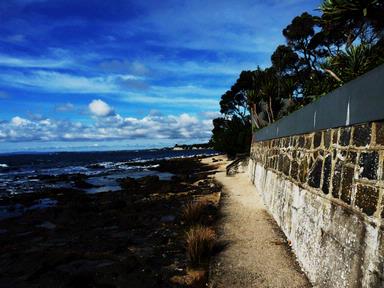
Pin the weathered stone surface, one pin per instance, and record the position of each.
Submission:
(308, 141)
(327, 138)
(345, 136)
(303, 171)
(286, 165)
(380, 133)
(280, 162)
(317, 139)
(366, 199)
(327, 173)
(362, 135)
(294, 170)
(346, 184)
(335, 135)
(301, 141)
(315, 174)
(351, 157)
(336, 179)
(335, 246)
(368, 163)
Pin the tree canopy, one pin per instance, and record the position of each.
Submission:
(321, 53)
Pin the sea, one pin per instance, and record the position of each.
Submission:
(27, 173)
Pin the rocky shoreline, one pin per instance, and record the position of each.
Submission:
(134, 237)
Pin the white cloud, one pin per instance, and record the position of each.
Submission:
(10, 61)
(112, 127)
(18, 121)
(99, 108)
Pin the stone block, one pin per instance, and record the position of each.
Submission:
(346, 184)
(308, 141)
(336, 179)
(317, 139)
(368, 163)
(380, 133)
(301, 141)
(345, 136)
(280, 163)
(303, 171)
(286, 165)
(361, 135)
(327, 169)
(366, 199)
(315, 174)
(327, 138)
(294, 169)
(335, 134)
(351, 157)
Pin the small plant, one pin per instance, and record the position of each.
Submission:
(200, 241)
(192, 213)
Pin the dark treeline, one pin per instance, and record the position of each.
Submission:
(321, 53)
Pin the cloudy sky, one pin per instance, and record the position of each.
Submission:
(96, 74)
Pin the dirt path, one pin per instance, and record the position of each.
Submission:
(256, 254)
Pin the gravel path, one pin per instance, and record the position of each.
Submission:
(256, 253)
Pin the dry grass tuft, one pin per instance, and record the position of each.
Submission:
(200, 242)
(192, 213)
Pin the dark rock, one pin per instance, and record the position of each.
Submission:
(351, 157)
(128, 183)
(336, 179)
(308, 142)
(366, 199)
(327, 173)
(362, 135)
(317, 139)
(380, 133)
(303, 171)
(369, 164)
(345, 136)
(294, 169)
(327, 138)
(315, 174)
(346, 184)
(286, 165)
(301, 141)
(335, 135)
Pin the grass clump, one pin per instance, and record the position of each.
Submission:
(200, 241)
(192, 213)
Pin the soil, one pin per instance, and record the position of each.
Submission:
(128, 238)
(255, 251)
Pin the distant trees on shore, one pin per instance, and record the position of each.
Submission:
(321, 53)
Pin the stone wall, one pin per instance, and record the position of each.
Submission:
(325, 190)
(240, 165)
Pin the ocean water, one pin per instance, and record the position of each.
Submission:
(26, 173)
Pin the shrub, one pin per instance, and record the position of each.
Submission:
(199, 244)
(192, 213)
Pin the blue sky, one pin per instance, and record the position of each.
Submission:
(96, 74)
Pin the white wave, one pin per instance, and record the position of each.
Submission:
(3, 165)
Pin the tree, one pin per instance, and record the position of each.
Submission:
(358, 19)
(231, 136)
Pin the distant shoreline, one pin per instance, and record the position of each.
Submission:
(177, 147)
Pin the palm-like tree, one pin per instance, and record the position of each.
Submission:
(359, 18)
(355, 61)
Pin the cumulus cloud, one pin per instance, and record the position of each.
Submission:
(100, 109)
(18, 121)
(110, 127)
